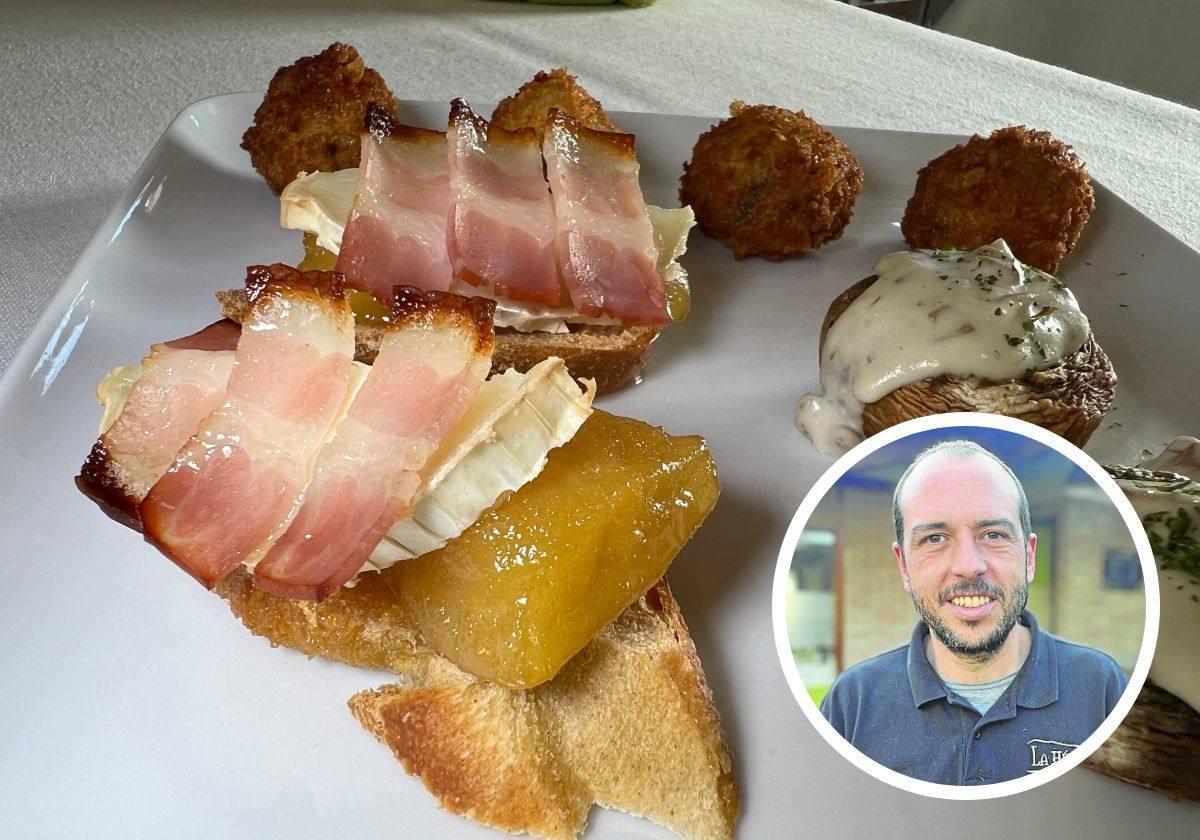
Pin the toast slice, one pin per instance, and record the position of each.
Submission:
(612, 355)
(628, 723)
(1157, 746)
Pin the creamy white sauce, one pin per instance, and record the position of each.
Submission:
(1176, 665)
(963, 313)
(319, 203)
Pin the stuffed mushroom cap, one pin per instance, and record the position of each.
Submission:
(1070, 399)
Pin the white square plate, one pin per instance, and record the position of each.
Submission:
(133, 704)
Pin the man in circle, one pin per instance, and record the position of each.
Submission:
(980, 694)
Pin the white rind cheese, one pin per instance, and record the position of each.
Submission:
(319, 203)
(113, 391)
(500, 444)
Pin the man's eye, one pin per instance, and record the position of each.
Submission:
(933, 539)
(995, 535)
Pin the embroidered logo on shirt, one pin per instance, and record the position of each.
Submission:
(1043, 753)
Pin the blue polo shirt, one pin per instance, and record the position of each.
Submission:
(896, 710)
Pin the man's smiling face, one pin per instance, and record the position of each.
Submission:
(965, 561)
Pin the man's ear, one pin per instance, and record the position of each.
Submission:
(1030, 558)
(903, 567)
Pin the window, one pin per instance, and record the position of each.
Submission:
(1122, 569)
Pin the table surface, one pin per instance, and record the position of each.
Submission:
(86, 89)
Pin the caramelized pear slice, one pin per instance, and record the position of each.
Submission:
(537, 576)
(367, 308)
(528, 585)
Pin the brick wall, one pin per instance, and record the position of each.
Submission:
(1084, 610)
(877, 614)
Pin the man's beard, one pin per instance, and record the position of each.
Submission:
(987, 647)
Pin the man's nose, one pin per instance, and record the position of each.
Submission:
(967, 561)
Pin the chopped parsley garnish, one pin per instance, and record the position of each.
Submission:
(1013, 340)
(998, 310)
(1173, 546)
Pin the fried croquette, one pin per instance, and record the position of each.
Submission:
(1020, 185)
(771, 182)
(530, 106)
(313, 115)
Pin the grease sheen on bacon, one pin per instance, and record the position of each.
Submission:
(181, 383)
(235, 484)
(431, 362)
(605, 239)
(396, 233)
(501, 233)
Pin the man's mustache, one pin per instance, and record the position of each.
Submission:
(967, 589)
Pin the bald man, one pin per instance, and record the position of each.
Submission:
(979, 694)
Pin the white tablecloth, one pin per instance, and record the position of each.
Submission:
(86, 89)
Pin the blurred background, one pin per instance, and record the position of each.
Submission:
(1146, 45)
(845, 600)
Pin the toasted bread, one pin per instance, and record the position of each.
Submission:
(629, 723)
(613, 356)
(1157, 746)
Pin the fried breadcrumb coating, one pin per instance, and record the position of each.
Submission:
(313, 115)
(530, 106)
(771, 182)
(1024, 186)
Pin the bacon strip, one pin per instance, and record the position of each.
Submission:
(396, 233)
(181, 383)
(235, 484)
(431, 363)
(605, 239)
(501, 233)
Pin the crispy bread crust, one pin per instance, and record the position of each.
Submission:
(771, 182)
(313, 115)
(613, 356)
(1025, 186)
(530, 106)
(1069, 399)
(629, 723)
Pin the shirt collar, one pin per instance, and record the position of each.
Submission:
(1036, 683)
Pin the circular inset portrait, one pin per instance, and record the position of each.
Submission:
(966, 606)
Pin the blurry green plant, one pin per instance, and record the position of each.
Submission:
(817, 693)
(634, 3)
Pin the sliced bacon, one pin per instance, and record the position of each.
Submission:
(431, 363)
(219, 335)
(501, 233)
(605, 239)
(396, 233)
(181, 383)
(235, 484)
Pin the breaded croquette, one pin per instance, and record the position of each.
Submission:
(1020, 185)
(530, 106)
(771, 182)
(313, 115)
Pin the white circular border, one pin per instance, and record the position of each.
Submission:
(800, 520)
